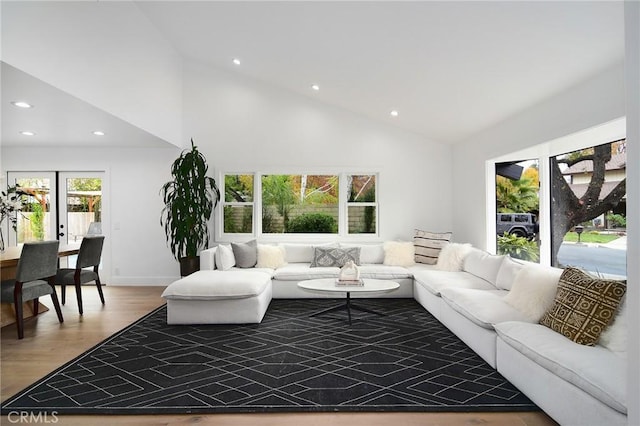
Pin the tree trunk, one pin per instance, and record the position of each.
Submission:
(567, 210)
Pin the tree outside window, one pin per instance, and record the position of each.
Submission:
(362, 204)
(300, 204)
(588, 194)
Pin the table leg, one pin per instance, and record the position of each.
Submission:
(348, 306)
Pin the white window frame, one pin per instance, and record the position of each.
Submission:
(342, 234)
(361, 204)
(224, 203)
(604, 133)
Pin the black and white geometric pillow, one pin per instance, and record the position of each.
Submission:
(333, 256)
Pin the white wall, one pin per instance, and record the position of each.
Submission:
(135, 248)
(592, 103)
(110, 57)
(243, 125)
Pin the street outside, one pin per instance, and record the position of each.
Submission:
(609, 259)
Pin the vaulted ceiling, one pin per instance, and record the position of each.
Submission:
(449, 69)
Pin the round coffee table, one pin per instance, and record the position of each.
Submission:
(329, 285)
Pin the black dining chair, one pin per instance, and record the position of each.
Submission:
(35, 275)
(88, 256)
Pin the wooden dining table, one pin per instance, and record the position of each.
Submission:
(9, 258)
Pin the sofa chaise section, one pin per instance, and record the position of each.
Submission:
(219, 297)
(575, 384)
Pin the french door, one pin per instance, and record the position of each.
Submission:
(60, 205)
(37, 220)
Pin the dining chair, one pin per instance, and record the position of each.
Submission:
(35, 275)
(88, 256)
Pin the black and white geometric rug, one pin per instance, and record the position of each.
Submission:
(405, 361)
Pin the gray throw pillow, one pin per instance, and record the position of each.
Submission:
(246, 254)
(333, 256)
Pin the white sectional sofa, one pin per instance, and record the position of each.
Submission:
(492, 303)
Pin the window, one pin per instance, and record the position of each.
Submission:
(581, 220)
(306, 204)
(362, 205)
(517, 191)
(588, 209)
(328, 204)
(237, 203)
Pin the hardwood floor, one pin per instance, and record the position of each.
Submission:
(48, 344)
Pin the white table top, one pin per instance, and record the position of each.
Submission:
(329, 284)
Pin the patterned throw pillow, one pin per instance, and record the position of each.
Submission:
(428, 245)
(584, 306)
(333, 256)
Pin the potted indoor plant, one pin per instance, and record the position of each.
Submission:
(189, 201)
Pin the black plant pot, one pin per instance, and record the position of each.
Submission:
(189, 265)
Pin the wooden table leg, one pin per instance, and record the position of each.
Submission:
(8, 313)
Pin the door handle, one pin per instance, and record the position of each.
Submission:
(61, 234)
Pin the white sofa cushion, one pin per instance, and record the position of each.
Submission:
(384, 272)
(208, 258)
(483, 307)
(533, 290)
(594, 369)
(270, 256)
(399, 253)
(298, 253)
(369, 253)
(434, 281)
(217, 285)
(452, 256)
(224, 257)
(301, 252)
(303, 271)
(482, 264)
(614, 337)
(507, 273)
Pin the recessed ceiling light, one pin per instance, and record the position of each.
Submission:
(98, 133)
(315, 87)
(27, 133)
(22, 104)
(394, 113)
(236, 61)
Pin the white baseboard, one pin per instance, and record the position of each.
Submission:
(141, 281)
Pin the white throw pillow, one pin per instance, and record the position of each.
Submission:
(399, 253)
(482, 264)
(534, 290)
(451, 257)
(224, 257)
(270, 256)
(614, 337)
(509, 268)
